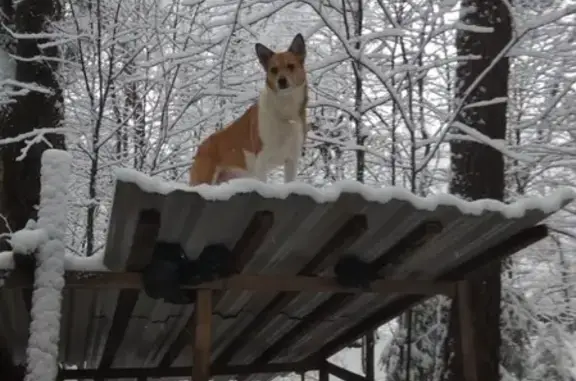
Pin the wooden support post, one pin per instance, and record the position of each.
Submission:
(468, 338)
(368, 349)
(323, 374)
(202, 335)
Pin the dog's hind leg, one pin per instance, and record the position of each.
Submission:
(203, 171)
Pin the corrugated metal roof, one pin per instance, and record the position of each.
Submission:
(302, 225)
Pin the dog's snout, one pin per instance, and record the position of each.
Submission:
(282, 83)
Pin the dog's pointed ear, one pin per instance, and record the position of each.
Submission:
(264, 54)
(298, 46)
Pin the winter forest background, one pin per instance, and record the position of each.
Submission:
(398, 88)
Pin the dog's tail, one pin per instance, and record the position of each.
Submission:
(204, 170)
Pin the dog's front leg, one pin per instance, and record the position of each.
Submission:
(260, 167)
(290, 169)
(291, 162)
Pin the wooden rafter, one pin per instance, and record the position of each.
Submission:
(348, 233)
(411, 242)
(499, 251)
(145, 234)
(243, 251)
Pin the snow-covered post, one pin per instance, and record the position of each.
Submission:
(42, 352)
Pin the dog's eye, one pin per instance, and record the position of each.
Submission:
(290, 67)
(274, 70)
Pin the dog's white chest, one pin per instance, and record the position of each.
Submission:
(281, 132)
(281, 142)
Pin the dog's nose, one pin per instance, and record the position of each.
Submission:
(282, 83)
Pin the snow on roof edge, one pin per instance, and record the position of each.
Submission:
(72, 262)
(547, 204)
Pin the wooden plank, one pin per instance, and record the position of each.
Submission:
(348, 233)
(260, 283)
(243, 251)
(468, 332)
(202, 335)
(513, 244)
(143, 243)
(411, 242)
(115, 373)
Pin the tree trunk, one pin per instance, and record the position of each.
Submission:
(20, 182)
(34, 110)
(478, 170)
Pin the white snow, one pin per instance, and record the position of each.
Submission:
(6, 260)
(497, 144)
(72, 262)
(79, 263)
(491, 102)
(548, 204)
(28, 240)
(42, 352)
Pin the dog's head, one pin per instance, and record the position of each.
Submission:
(284, 70)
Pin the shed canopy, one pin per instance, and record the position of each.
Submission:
(273, 229)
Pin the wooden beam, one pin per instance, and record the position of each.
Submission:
(115, 373)
(513, 244)
(143, 242)
(260, 283)
(467, 333)
(202, 335)
(343, 374)
(252, 238)
(323, 374)
(369, 355)
(348, 233)
(411, 242)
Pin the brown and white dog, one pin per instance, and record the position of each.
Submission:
(270, 133)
